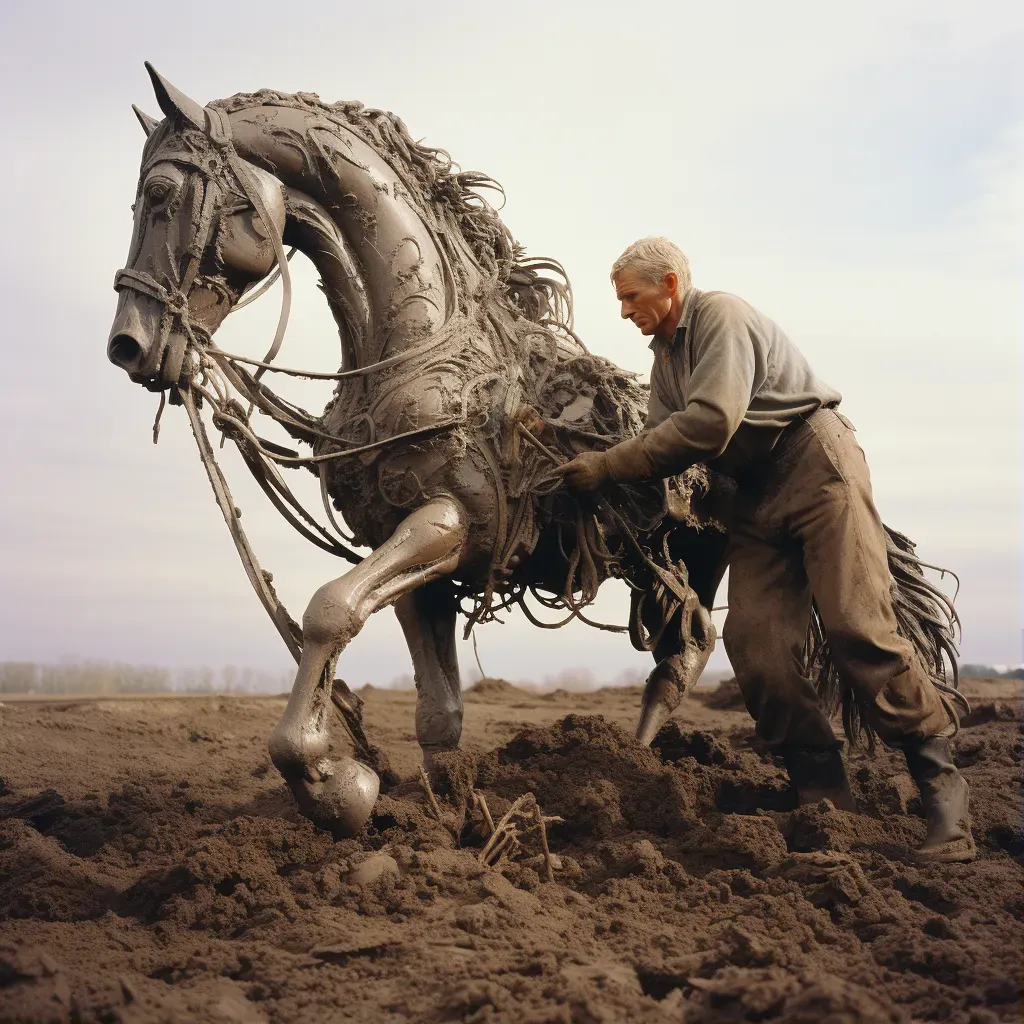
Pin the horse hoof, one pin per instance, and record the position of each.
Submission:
(342, 799)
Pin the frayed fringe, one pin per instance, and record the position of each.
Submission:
(925, 615)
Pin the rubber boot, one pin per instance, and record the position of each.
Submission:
(944, 797)
(818, 774)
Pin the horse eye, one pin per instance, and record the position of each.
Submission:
(158, 192)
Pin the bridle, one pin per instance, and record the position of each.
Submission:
(214, 162)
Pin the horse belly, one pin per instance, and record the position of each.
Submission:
(375, 494)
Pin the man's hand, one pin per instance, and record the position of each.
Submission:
(586, 472)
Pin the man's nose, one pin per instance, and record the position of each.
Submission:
(625, 313)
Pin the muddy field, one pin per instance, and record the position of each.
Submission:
(152, 868)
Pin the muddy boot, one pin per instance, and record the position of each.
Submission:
(818, 774)
(944, 798)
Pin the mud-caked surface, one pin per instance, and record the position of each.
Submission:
(153, 868)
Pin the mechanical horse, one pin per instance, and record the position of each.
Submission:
(461, 387)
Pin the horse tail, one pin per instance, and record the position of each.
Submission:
(925, 615)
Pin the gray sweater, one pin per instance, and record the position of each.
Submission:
(722, 390)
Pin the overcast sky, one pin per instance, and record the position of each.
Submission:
(854, 170)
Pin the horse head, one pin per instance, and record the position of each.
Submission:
(207, 225)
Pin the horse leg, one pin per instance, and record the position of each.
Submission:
(339, 796)
(428, 617)
(689, 639)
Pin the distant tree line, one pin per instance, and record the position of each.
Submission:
(99, 677)
(74, 677)
(990, 672)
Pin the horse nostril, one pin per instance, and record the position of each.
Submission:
(124, 351)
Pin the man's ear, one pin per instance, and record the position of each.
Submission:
(671, 282)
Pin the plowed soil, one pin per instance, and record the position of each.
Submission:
(153, 868)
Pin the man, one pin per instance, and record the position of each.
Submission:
(728, 388)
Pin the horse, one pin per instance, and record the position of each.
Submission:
(461, 388)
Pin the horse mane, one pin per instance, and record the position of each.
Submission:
(536, 288)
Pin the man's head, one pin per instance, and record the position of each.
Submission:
(651, 280)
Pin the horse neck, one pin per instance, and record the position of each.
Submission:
(407, 289)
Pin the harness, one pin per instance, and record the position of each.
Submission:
(215, 161)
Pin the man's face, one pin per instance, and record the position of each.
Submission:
(645, 303)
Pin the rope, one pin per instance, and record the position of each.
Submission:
(261, 581)
(679, 589)
(244, 177)
(359, 371)
(263, 288)
(418, 434)
(476, 654)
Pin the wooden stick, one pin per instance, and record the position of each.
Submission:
(485, 810)
(528, 816)
(539, 445)
(507, 839)
(350, 718)
(504, 826)
(539, 818)
(431, 799)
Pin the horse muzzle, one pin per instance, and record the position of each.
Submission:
(138, 345)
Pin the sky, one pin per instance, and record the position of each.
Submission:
(856, 171)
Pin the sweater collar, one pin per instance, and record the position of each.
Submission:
(685, 319)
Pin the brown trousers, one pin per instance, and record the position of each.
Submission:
(806, 525)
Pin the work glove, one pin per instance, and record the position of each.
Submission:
(587, 472)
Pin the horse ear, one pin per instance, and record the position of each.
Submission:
(174, 102)
(148, 123)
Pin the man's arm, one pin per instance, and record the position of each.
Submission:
(719, 393)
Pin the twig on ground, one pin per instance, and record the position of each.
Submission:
(539, 818)
(431, 799)
(504, 837)
(505, 828)
(481, 802)
(506, 845)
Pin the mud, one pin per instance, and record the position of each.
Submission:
(153, 868)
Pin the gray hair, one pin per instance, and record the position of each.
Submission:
(654, 257)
